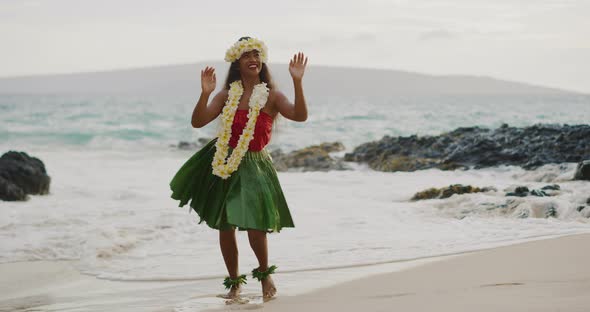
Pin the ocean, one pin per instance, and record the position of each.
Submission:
(111, 158)
(153, 122)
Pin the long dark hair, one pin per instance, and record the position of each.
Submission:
(233, 74)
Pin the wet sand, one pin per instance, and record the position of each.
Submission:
(544, 275)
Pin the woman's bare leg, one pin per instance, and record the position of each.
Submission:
(259, 245)
(229, 249)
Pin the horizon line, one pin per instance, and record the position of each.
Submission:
(140, 67)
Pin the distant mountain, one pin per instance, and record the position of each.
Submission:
(184, 79)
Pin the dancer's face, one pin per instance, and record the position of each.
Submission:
(250, 63)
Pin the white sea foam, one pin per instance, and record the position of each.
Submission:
(112, 211)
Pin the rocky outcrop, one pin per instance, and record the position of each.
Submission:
(448, 191)
(312, 158)
(185, 145)
(522, 191)
(583, 171)
(21, 174)
(476, 147)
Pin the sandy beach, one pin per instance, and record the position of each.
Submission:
(545, 275)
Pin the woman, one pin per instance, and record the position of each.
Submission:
(242, 191)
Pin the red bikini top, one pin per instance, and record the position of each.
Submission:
(262, 129)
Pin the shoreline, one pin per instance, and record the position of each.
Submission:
(541, 275)
(518, 277)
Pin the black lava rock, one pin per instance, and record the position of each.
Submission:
(21, 174)
(520, 191)
(583, 171)
(554, 187)
(465, 147)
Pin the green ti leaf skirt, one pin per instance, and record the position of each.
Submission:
(251, 198)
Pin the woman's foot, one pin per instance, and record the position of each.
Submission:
(234, 286)
(268, 288)
(234, 292)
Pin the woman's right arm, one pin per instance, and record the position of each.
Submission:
(203, 113)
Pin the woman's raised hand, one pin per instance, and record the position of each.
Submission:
(208, 80)
(297, 66)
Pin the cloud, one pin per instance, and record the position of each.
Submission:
(365, 37)
(436, 35)
(338, 40)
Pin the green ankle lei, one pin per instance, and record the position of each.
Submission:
(229, 282)
(264, 274)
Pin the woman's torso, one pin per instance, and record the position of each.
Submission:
(262, 129)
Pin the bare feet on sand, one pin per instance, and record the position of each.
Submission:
(268, 288)
(233, 293)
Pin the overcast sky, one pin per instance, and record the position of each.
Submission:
(543, 42)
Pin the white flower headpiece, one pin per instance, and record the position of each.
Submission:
(232, 54)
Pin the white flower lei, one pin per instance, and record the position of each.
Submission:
(235, 51)
(257, 102)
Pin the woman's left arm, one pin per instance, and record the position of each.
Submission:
(297, 111)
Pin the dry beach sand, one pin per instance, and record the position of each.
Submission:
(544, 275)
